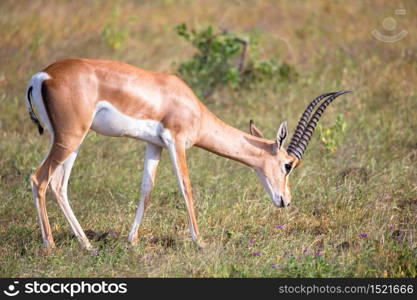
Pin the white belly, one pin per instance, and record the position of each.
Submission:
(111, 122)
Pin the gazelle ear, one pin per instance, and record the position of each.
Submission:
(282, 134)
(254, 131)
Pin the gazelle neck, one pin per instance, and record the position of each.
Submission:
(222, 139)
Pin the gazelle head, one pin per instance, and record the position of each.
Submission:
(279, 162)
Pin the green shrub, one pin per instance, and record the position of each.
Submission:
(225, 59)
(113, 34)
(331, 137)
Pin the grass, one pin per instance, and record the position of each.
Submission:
(354, 209)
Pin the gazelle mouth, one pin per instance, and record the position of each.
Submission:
(279, 202)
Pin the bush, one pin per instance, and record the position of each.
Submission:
(113, 34)
(225, 59)
(331, 137)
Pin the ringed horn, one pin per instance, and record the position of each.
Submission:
(305, 128)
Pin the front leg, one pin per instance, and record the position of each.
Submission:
(176, 151)
(152, 157)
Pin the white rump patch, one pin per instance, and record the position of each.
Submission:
(37, 102)
(36, 84)
(111, 122)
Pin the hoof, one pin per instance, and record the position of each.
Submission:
(88, 247)
(200, 244)
(133, 241)
(46, 251)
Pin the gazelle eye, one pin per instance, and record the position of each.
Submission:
(288, 168)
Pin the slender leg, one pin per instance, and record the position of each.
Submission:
(152, 157)
(40, 179)
(59, 185)
(178, 159)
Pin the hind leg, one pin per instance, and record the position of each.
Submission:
(59, 186)
(152, 157)
(40, 179)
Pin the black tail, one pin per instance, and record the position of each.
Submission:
(31, 113)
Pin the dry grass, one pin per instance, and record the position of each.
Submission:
(367, 186)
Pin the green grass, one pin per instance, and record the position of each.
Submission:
(368, 185)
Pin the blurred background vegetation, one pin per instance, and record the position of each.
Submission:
(354, 197)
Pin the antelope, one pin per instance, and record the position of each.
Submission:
(119, 100)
